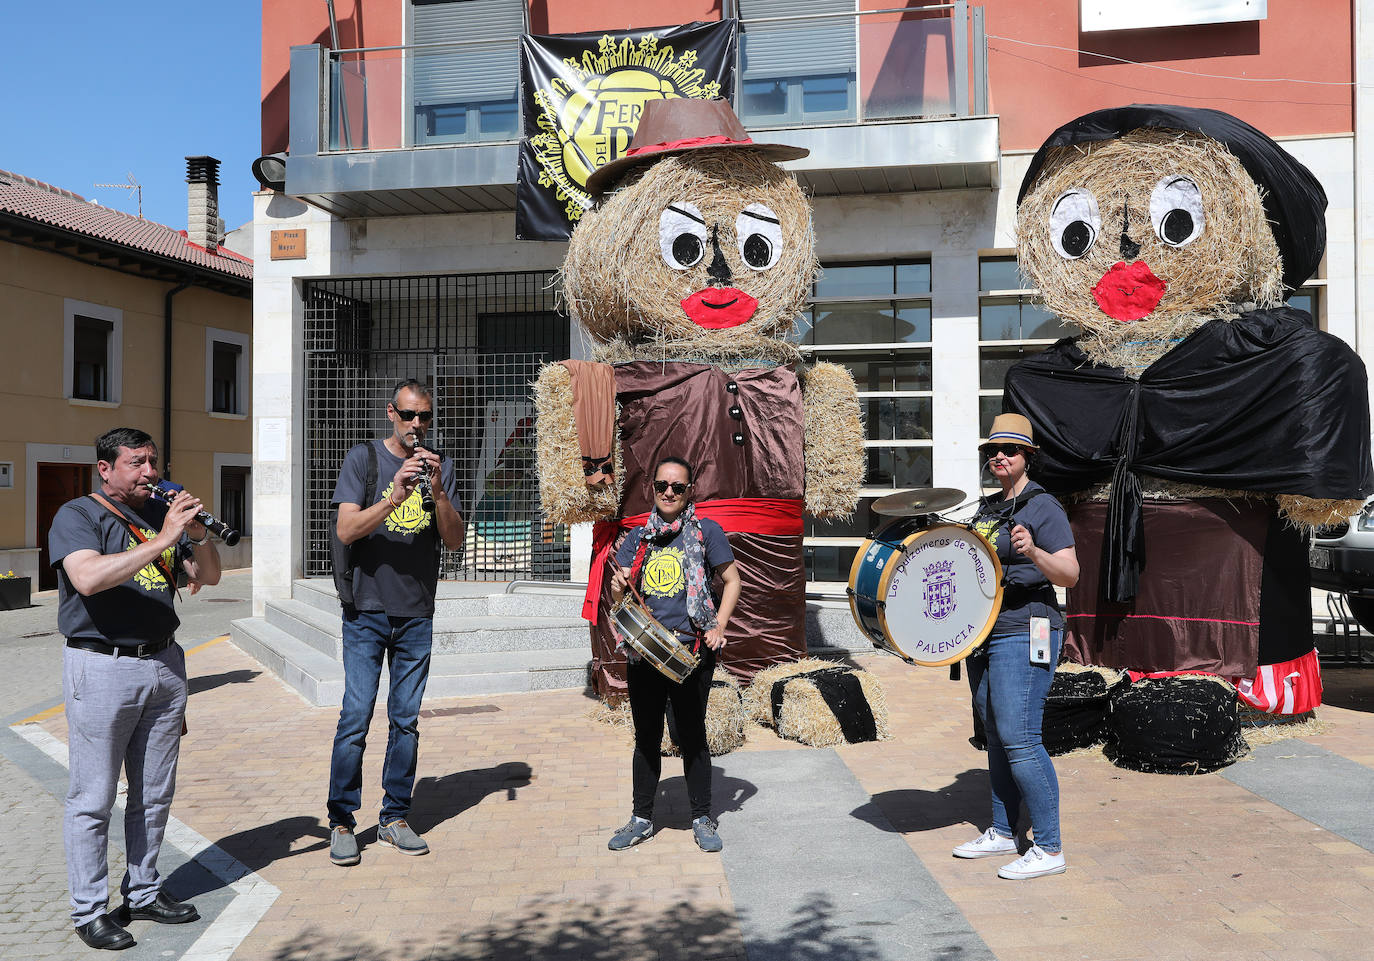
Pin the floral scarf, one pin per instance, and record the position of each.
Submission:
(700, 607)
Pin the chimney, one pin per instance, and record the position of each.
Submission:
(202, 202)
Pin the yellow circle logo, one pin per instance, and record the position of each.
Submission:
(663, 573)
(150, 576)
(410, 517)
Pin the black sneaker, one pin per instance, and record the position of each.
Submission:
(704, 833)
(635, 830)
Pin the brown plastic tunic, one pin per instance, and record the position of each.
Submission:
(742, 432)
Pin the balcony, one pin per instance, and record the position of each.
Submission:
(889, 100)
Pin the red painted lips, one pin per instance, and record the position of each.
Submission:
(717, 308)
(1128, 293)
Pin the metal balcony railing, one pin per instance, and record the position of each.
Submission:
(844, 66)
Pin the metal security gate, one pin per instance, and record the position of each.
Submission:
(479, 340)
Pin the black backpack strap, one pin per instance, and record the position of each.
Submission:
(370, 484)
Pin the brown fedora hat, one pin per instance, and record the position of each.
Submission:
(678, 125)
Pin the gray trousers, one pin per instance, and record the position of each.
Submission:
(122, 712)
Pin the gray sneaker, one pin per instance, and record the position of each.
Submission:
(635, 830)
(399, 835)
(704, 832)
(343, 847)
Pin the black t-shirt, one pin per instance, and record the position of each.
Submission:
(396, 567)
(663, 578)
(1026, 591)
(139, 611)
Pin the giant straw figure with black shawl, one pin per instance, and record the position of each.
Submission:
(1200, 425)
(688, 277)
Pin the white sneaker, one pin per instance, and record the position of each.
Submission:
(1035, 863)
(986, 845)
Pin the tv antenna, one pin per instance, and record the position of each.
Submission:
(133, 185)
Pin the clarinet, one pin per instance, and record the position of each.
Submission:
(422, 485)
(165, 491)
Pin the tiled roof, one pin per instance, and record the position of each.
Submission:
(46, 204)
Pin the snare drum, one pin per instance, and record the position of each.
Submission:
(652, 641)
(929, 595)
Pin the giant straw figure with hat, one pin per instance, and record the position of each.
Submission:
(1198, 424)
(688, 276)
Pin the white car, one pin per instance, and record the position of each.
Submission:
(1342, 561)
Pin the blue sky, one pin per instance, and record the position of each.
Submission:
(97, 90)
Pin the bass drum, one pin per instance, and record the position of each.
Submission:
(929, 595)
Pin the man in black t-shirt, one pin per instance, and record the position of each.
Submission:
(395, 569)
(123, 677)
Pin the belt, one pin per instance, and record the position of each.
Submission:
(115, 650)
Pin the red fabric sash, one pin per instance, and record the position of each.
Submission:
(688, 143)
(776, 516)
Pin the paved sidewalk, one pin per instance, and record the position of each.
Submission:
(518, 794)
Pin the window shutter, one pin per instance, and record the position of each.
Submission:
(473, 73)
(801, 48)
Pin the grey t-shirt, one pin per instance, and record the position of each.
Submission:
(1026, 591)
(139, 611)
(662, 578)
(396, 567)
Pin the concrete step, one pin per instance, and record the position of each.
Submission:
(467, 598)
(315, 676)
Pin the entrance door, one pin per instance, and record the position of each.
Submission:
(57, 484)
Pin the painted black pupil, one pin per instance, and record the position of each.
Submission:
(757, 250)
(1076, 238)
(1177, 226)
(686, 249)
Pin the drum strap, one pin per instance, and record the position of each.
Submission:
(840, 689)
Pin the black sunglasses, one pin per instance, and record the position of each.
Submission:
(678, 487)
(1010, 450)
(425, 415)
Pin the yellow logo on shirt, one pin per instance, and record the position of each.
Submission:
(150, 577)
(410, 517)
(664, 574)
(989, 527)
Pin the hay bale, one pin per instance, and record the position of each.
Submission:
(1261, 727)
(618, 287)
(832, 441)
(758, 696)
(1232, 266)
(724, 718)
(833, 705)
(1077, 707)
(1189, 724)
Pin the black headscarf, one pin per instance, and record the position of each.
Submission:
(1294, 202)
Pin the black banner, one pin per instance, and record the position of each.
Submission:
(581, 96)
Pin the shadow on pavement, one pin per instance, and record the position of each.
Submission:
(437, 799)
(254, 849)
(1349, 687)
(209, 682)
(910, 810)
(672, 809)
(588, 932)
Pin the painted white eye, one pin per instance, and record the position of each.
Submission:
(682, 236)
(1176, 211)
(759, 235)
(1074, 223)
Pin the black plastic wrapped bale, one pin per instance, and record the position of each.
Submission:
(724, 718)
(1076, 709)
(1189, 724)
(832, 705)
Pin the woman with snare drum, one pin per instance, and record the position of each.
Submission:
(1010, 676)
(671, 560)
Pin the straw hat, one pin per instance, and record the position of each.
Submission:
(1013, 428)
(678, 125)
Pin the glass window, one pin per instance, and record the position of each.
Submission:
(900, 467)
(499, 118)
(913, 279)
(853, 324)
(884, 370)
(448, 120)
(999, 273)
(825, 94)
(856, 280)
(828, 562)
(1308, 299)
(764, 97)
(91, 358)
(897, 418)
(233, 502)
(225, 378)
(988, 408)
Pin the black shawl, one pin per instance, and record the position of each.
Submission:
(1262, 403)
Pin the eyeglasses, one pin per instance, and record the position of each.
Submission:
(425, 415)
(678, 487)
(1008, 450)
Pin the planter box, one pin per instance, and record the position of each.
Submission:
(14, 592)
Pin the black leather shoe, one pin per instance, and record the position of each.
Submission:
(162, 909)
(104, 933)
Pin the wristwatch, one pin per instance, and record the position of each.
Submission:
(199, 543)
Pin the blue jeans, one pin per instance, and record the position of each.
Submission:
(405, 642)
(1009, 692)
